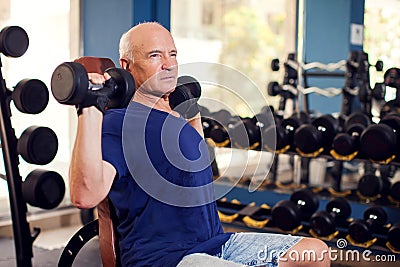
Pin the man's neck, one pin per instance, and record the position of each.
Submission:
(156, 102)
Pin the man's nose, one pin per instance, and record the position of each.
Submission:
(169, 63)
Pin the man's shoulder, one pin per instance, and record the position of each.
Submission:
(113, 118)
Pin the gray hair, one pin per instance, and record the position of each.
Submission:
(125, 43)
(125, 46)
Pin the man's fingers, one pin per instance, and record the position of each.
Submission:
(107, 76)
(96, 78)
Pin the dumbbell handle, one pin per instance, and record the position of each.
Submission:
(341, 65)
(104, 89)
(98, 95)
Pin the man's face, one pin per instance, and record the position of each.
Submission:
(155, 66)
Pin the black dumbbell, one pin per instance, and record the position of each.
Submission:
(70, 85)
(185, 96)
(246, 133)
(312, 139)
(217, 131)
(392, 78)
(221, 120)
(205, 120)
(14, 41)
(324, 222)
(394, 191)
(361, 230)
(372, 186)
(393, 236)
(379, 91)
(284, 132)
(346, 145)
(288, 214)
(380, 142)
(30, 96)
(390, 107)
(275, 64)
(274, 88)
(38, 145)
(43, 189)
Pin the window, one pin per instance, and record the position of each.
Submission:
(241, 34)
(382, 37)
(47, 24)
(232, 42)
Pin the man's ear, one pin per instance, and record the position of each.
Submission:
(124, 63)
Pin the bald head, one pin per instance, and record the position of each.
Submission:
(138, 36)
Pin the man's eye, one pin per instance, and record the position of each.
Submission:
(154, 55)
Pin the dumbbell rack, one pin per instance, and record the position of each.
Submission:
(22, 235)
(37, 145)
(251, 211)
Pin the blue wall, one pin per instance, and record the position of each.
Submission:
(103, 24)
(327, 40)
(105, 21)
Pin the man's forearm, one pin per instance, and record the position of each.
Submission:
(88, 186)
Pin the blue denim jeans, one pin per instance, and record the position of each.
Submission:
(246, 249)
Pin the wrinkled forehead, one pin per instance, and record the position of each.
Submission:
(159, 39)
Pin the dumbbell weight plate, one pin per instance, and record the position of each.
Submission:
(14, 41)
(392, 77)
(395, 191)
(361, 231)
(340, 207)
(221, 116)
(285, 215)
(244, 133)
(357, 118)
(31, 96)
(218, 134)
(392, 106)
(307, 139)
(394, 236)
(273, 88)
(190, 83)
(379, 91)
(330, 126)
(378, 213)
(70, 83)
(370, 185)
(280, 135)
(38, 145)
(43, 189)
(125, 88)
(307, 201)
(322, 223)
(378, 142)
(204, 111)
(207, 124)
(275, 64)
(345, 144)
(379, 65)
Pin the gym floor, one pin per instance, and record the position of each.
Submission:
(48, 248)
